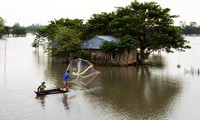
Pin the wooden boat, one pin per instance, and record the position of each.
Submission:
(51, 91)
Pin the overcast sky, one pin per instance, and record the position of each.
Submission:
(27, 12)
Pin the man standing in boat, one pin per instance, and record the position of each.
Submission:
(66, 76)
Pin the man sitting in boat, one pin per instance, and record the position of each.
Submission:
(41, 87)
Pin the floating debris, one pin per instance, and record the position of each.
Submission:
(178, 66)
(192, 71)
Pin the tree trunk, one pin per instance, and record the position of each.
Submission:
(142, 57)
(127, 57)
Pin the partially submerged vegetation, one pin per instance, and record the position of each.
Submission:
(16, 30)
(145, 27)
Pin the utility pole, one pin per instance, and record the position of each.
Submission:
(5, 62)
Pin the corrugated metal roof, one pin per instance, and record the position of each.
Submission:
(108, 38)
(95, 42)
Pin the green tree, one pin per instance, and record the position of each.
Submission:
(64, 36)
(190, 30)
(109, 47)
(85, 54)
(18, 30)
(76, 24)
(127, 43)
(32, 28)
(68, 43)
(98, 24)
(7, 30)
(2, 22)
(49, 31)
(150, 25)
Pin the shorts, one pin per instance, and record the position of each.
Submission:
(64, 82)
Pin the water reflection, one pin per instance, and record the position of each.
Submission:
(65, 103)
(161, 91)
(139, 91)
(41, 99)
(51, 69)
(156, 59)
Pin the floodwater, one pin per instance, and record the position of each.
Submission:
(158, 92)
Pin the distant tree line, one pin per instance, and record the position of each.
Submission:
(191, 29)
(16, 30)
(32, 28)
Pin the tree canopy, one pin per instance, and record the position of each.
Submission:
(67, 41)
(63, 37)
(143, 26)
(18, 30)
(147, 23)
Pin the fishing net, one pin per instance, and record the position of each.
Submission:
(82, 71)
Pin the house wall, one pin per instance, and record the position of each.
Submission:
(116, 59)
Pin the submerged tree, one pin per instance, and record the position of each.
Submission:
(146, 25)
(63, 37)
(66, 43)
(151, 26)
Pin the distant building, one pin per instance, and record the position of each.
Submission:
(93, 45)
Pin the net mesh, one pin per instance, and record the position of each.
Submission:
(82, 71)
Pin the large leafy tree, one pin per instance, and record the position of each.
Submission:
(76, 24)
(64, 37)
(147, 24)
(98, 24)
(150, 25)
(49, 31)
(67, 43)
(127, 43)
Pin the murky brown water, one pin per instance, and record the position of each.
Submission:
(159, 92)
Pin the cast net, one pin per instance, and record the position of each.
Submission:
(82, 71)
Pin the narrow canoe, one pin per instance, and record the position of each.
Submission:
(51, 91)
